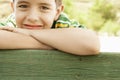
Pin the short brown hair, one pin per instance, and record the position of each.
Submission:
(58, 2)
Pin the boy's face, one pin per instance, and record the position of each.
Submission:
(36, 14)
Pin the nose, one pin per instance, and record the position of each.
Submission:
(33, 16)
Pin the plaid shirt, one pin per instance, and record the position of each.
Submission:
(62, 22)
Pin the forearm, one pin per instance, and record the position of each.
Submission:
(10, 40)
(75, 41)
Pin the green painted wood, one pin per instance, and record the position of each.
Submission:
(55, 65)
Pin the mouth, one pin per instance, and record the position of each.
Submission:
(35, 27)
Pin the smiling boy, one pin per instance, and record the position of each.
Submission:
(35, 20)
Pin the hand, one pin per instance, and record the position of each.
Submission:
(16, 30)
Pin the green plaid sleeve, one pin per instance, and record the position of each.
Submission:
(2, 24)
(64, 22)
(10, 21)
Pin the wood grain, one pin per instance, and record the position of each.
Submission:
(56, 65)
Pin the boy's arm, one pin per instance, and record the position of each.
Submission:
(10, 40)
(72, 40)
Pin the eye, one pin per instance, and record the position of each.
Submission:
(23, 6)
(44, 8)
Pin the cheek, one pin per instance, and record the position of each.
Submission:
(19, 20)
(48, 20)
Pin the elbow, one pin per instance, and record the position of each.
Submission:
(88, 50)
(94, 45)
(95, 48)
(92, 51)
(95, 51)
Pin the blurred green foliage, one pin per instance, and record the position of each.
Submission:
(101, 17)
(69, 7)
(111, 27)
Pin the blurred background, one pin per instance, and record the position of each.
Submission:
(103, 16)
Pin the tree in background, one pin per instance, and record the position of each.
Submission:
(106, 16)
(101, 17)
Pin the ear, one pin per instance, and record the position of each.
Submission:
(12, 5)
(59, 10)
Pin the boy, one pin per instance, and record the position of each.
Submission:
(35, 18)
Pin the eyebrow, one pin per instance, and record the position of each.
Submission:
(19, 2)
(42, 3)
(45, 4)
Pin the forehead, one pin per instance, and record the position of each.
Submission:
(36, 1)
(50, 3)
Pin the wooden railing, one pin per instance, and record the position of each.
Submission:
(56, 65)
